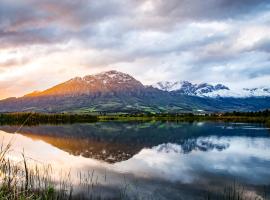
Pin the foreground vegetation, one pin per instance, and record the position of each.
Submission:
(20, 182)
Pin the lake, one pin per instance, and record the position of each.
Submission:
(150, 160)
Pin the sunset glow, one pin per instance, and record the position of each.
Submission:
(47, 42)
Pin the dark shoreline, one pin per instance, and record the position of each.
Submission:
(42, 118)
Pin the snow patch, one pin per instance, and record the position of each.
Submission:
(208, 90)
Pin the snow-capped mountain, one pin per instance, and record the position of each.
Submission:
(168, 86)
(114, 91)
(242, 93)
(208, 90)
(187, 88)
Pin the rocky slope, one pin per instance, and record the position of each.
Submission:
(102, 83)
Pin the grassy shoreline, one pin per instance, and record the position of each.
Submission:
(42, 118)
(188, 118)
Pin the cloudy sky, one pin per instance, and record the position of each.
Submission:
(45, 42)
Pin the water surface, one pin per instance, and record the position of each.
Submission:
(153, 160)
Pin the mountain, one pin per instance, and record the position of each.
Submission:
(106, 82)
(168, 86)
(114, 91)
(208, 90)
(188, 88)
(98, 141)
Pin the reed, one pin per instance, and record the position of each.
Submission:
(19, 181)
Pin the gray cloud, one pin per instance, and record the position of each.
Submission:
(189, 39)
(48, 21)
(209, 9)
(262, 45)
(39, 22)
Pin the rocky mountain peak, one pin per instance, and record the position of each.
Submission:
(111, 77)
(105, 82)
(221, 87)
(188, 88)
(167, 85)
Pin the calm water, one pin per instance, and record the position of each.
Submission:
(151, 160)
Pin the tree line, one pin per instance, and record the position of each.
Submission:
(41, 118)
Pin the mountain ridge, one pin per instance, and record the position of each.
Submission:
(110, 81)
(114, 81)
(114, 91)
(208, 90)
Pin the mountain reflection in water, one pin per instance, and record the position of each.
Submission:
(185, 158)
(114, 142)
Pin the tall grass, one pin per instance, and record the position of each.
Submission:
(26, 179)
(236, 191)
(20, 181)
